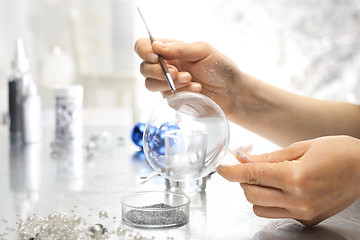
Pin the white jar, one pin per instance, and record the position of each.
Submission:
(68, 111)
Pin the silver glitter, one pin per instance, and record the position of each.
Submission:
(68, 112)
(242, 156)
(171, 217)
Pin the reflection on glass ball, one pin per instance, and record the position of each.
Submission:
(185, 137)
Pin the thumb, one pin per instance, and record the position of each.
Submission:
(182, 50)
(293, 152)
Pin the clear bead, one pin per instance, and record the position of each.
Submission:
(103, 214)
(76, 220)
(138, 236)
(120, 231)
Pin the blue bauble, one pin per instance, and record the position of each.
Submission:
(155, 137)
(160, 133)
(159, 138)
(137, 134)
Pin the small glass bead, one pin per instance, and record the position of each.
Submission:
(120, 231)
(76, 219)
(103, 214)
(52, 217)
(138, 236)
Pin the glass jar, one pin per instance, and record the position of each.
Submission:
(68, 111)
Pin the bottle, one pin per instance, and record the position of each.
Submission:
(68, 111)
(18, 79)
(32, 129)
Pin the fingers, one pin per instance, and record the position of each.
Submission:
(278, 212)
(271, 212)
(170, 49)
(292, 152)
(240, 149)
(144, 50)
(155, 77)
(150, 70)
(191, 87)
(271, 169)
(182, 80)
(274, 203)
(182, 50)
(264, 196)
(242, 157)
(269, 202)
(265, 174)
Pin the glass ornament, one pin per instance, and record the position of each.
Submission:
(137, 134)
(185, 137)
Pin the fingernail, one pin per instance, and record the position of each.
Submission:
(153, 58)
(196, 87)
(172, 72)
(239, 154)
(160, 44)
(183, 78)
(220, 167)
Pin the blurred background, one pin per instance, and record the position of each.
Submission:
(308, 47)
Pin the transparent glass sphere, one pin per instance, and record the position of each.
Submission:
(185, 137)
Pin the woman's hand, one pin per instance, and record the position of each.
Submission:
(278, 115)
(194, 67)
(308, 181)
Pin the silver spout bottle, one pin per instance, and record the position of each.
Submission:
(32, 128)
(18, 79)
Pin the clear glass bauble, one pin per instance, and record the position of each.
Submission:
(185, 137)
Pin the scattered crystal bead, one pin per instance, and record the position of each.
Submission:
(120, 231)
(103, 214)
(98, 230)
(138, 236)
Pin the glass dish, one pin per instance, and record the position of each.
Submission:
(151, 209)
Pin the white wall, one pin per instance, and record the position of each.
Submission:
(310, 47)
